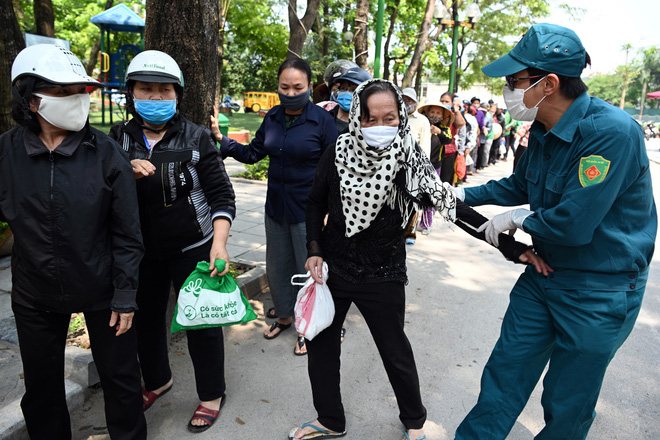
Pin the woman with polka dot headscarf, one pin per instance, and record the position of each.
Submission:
(370, 184)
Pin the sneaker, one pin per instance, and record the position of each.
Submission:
(410, 241)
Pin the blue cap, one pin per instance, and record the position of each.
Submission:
(546, 47)
(355, 75)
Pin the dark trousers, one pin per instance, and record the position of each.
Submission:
(206, 347)
(382, 306)
(510, 140)
(447, 170)
(494, 153)
(42, 339)
(576, 333)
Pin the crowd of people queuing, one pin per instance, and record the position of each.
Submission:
(350, 181)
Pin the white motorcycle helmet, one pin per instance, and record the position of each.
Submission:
(154, 66)
(53, 64)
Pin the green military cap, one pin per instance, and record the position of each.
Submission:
(546, 47)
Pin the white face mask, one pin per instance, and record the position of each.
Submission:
(515, 105)
(380, 136)
(66, 112)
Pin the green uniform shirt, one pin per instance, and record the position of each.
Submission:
(589, 184)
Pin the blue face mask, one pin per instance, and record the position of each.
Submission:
(295, 102)
(155, 112)
(344, 99)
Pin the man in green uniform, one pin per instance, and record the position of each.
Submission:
(592, 218)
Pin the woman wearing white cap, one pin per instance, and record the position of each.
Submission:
(186, 208)
(67, 192)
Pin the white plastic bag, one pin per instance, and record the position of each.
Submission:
(314, 308)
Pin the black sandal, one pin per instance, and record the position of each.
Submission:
(300, 343)
(342, 335)
(270, 314)
(277, 325)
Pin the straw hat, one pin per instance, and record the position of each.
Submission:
(447, 114)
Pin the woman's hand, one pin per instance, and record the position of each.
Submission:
(435, 130)
(123, 321)
(530, 257)
(314, 265)
(219, 246)
(215, 128)
(218, 252)
(142, 168)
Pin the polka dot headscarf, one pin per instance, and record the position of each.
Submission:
(367, 173)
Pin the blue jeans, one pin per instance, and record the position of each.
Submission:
(286, 253)
(577, 332)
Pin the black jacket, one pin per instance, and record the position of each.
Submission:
(73, 212)
(189, 190)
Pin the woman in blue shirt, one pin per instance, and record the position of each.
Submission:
(294, 135)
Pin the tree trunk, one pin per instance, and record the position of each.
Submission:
(360, 38)
(189, 33)
(298, 28)
(420, 46)
(44, 18)
(11, 43)
(94, 52)
(642, 101)
(386, 51)
(418, 79)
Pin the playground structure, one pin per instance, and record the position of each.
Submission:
(113, 65)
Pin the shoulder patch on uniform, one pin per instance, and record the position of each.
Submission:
(593, 170)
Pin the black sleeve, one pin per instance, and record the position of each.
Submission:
(469, 220)
(317, 203)
(214, 179)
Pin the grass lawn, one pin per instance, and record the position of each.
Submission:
(237, 121)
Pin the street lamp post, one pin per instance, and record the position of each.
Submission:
(446, 19)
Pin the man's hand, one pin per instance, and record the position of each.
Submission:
(142, 168)
(507, 221)
(541, 266)
(123, 322)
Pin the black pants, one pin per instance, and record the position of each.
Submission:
(494, 153)
(206, 347)
(447, 171)
(42, 339)
(510, 141)
(382, 306)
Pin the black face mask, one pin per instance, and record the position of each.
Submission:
(295, 102)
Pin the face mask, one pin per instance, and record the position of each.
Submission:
(410, 108)
(516, 106)
(380, 136)
(155, 112)
(295, 102)
(433, 119)
(66, 112)
(333, 95)
(344, 99)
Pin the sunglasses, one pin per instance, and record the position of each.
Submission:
(511, 81)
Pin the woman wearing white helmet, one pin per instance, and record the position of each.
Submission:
(66, 191)
(186, 208)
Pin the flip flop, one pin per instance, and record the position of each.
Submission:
(300, 343)
(149, 397)
(407, 437)
(270, 314)
(203, 413)
(342, 334)
(277, 325)
(319, 434)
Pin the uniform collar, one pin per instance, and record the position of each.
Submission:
(567, 125)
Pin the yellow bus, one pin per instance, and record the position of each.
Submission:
(255, 101)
